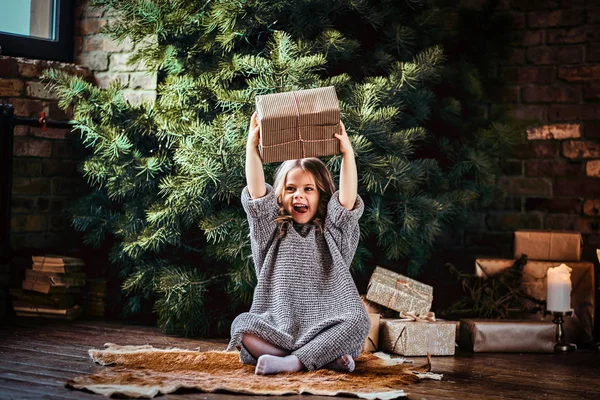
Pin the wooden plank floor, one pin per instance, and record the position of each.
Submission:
(39, 356)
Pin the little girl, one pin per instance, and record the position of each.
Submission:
(306, 312)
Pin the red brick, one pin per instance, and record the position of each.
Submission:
(551, 168)
(551, 94)
(11, 87)
(28, 107)
(571, 112)
(577, 149)
(50, 133)
(66, 149)
(568, 223)
(22, 204)
(591, 91)
(26, 167)
(29, 223)
(591, 129)
(52, 167)
(534, 4)
(567, 35)
(568, 54)
(591, 207)
(529, 112)
(31, 185)
(67, 186)
(592, 168)
(513, 221)
(555, 205)
(529, 74)
(8, 67)
(581, 73)
(503, 202)
(32, 147)
(492, 239)
(547, 19)
(581, 187)
(508, 94)
(532, 38)
(592, 52)
(555, 131)
(537, 149)
(21, 130)
(525, 186)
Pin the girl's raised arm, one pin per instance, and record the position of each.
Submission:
(348, 174)
(255, 176)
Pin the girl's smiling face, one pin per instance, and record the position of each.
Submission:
(300, 195)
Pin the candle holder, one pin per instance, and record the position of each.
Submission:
(561, 343)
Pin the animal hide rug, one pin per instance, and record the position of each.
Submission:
(145, 371)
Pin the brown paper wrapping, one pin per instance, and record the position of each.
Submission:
(548, 245)
(507, 336)
(580, 326)
(398, 292)
(298, 124)
(371, 344)
(416, 338)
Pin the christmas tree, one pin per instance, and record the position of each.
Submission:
(168, 176)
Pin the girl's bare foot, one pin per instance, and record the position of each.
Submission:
(268, 364)
(344, 363)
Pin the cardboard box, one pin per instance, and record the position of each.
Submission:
(548, 245)
(507, 336)
(371, 344)
(298, 124)
(396, 291)
(580, 326)
(417, 338)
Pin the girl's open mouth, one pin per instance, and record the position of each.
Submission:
(300, 208)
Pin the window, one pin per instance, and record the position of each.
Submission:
(41, 29)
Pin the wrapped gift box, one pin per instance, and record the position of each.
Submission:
(548, 245)
(417, 338)
(298, 124)
(507, 336)
(371, 344)
(580, 326)
(398, 292)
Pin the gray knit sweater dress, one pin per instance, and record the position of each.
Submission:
(305, 300)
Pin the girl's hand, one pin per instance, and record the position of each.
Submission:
(345, 145)
(253, 132)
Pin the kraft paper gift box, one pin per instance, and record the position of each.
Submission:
(548, 245)
(298, 124)
(579, 327)
(371, 344)
(507, 336)
(398, 292)
(417, 338)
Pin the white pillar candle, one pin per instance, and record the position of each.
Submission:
(558, 294)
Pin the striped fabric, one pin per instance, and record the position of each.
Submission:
(298, 124)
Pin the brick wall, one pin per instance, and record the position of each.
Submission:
(45, 177)
(108, 59)
(552, 76)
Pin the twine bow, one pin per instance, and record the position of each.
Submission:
(426, 317)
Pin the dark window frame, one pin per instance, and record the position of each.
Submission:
(60, 49)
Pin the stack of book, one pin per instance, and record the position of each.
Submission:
(94, 299)
(50, 287)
